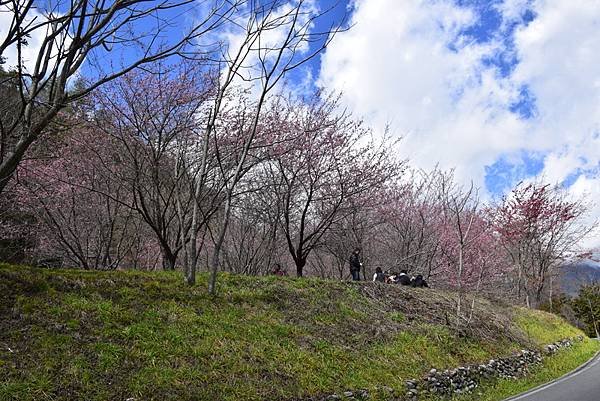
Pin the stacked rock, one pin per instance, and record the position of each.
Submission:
(464, 379)
(467, 378)
(552, 348)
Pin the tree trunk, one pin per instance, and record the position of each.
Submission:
(300, 263)
(11, 162)
(519, 279)
(168, 258)
(190, 270)
(214, 263)
(477, 288)
(460, 287)
(551, 295)
(192, 252)
(594, 322)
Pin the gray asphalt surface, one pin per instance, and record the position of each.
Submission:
(581, 385)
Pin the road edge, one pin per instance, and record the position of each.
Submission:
(550, 383)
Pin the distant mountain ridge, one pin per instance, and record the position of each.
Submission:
(577, 274)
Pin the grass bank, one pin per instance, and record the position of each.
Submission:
(553, 367)
(71, 335)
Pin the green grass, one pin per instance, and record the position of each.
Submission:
(556, 366)
(542, 327)
(70, 335)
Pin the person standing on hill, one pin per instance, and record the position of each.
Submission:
(355, 264)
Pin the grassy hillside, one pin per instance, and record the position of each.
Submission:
(69, 334)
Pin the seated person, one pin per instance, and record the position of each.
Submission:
(403, 278)
(278, 271)
(419, 281)
(390, 278)
(379, 275)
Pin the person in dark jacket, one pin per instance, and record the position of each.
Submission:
(355, 264)
(403, 278)
(419, 281)
(379, 275)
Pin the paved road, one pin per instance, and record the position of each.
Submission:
(582, 385)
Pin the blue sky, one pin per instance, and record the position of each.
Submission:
(499, 90)
(487, 26)
(484, 44)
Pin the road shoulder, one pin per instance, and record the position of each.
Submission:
(591, 362)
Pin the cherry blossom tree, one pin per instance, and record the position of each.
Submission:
(411, 213)
(152, 115)
(108, 38)
(324, 163)
(539, 227)
(357, 227)
(79, 209)
(459, 207)
(274, 38)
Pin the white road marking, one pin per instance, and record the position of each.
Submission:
(565, 378)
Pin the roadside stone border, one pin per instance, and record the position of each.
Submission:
(464, 379)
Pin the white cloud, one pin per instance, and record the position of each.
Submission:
(558, 61)
(265, 47)
(396, 66)
(589, 188)
(452, 107)
(30, 52)
(512, 10)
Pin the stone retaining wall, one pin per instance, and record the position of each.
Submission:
(464, 379)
